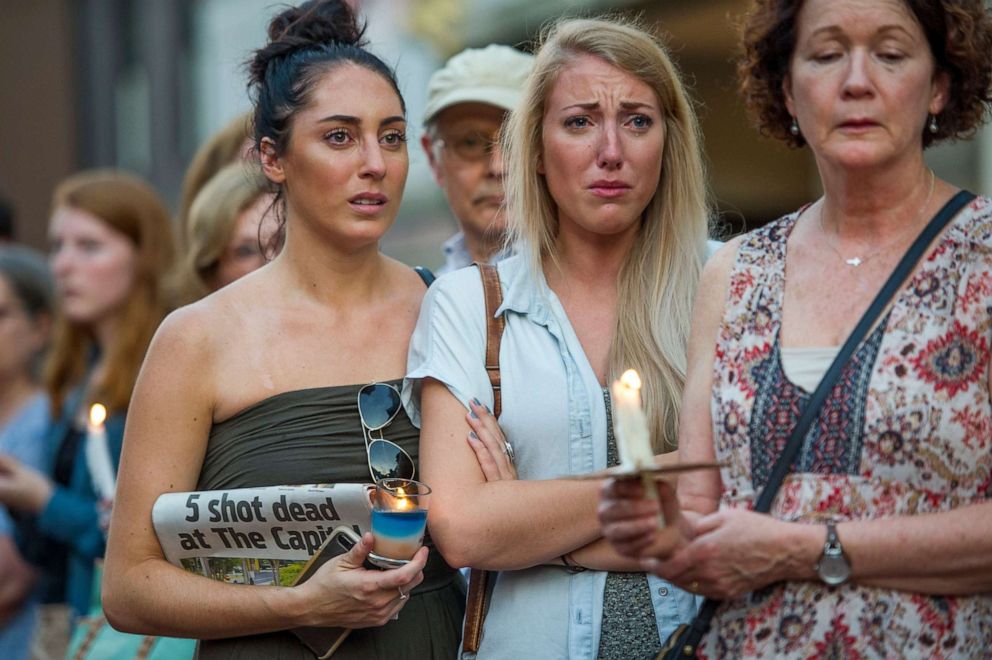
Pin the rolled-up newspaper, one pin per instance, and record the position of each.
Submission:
(256, 535)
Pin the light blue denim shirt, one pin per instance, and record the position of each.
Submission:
(456, 255)
(555, 417)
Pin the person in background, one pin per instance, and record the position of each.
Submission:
(26, 315)
(607, 200)
(231, 227)
(467, 101)
(111, 246)
(228, 145)
(879, 541)
(291, 346)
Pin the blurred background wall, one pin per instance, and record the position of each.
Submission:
(138, 84)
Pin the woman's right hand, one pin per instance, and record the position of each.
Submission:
(344, 593)
(630, 520)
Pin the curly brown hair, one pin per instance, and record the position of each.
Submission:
(959, 33)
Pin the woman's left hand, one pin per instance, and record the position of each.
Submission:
(486, 438)
(732, 552)
(22, 487)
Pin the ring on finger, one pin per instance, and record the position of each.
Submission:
(508, 450)
(403, 595)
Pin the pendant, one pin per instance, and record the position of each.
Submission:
(853, 261)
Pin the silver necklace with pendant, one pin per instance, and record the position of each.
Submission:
(857, 261)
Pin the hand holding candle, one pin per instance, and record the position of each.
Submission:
(631, 431)
(399, 517)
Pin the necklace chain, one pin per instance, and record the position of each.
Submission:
(857, 261)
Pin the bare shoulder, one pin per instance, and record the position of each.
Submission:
(723, 258)
(228, 308)
(715, 278)
(409, 285)
(405, 272)
(199, 331)
(185, 332)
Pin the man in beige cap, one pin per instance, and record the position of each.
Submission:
(467, 101)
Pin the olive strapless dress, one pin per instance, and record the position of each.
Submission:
(315, 436)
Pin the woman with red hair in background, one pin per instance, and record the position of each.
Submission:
(111, 244)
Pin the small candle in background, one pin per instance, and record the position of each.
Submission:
(631, 431)
(98, 454)
(399, 518)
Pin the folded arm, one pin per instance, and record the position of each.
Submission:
(498, 525)
(487, 440)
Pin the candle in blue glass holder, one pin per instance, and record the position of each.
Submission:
(399, 517)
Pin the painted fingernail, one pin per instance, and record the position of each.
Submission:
(472, 435)
(486, 407)
(476, 401)
(471, 413)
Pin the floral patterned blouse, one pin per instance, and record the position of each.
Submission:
(907, 430)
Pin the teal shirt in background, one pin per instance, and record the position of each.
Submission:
(71, 516)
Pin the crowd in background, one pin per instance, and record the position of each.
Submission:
(75, 328)
(598, 221)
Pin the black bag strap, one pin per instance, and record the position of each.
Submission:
(902, 271)
(783, 465)
(425, 274)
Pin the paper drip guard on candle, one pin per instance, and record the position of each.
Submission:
(656, 471)
(637, 459)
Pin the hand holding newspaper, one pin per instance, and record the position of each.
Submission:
(286, 523)
(263, 536)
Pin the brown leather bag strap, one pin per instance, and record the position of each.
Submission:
(479, 581)
(494, 330)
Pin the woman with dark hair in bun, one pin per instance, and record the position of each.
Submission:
(289, 346)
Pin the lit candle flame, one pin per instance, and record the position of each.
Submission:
(98, 455)
(631, 380)
(402, 501)
(98, 414)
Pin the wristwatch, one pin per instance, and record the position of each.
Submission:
(833, 567)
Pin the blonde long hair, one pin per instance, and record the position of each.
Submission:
(657, 284)
(228, 145)
(129, 206)
(211, 222)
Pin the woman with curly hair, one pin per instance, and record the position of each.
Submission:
(879, 541)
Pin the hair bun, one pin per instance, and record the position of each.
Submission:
(313, 24)
(317, 22)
